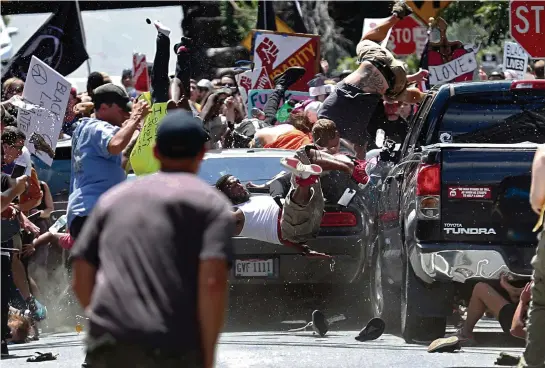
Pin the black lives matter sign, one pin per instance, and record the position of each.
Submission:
(515, 58)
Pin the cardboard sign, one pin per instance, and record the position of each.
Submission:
(461, 67)
(50, 91)
(515, 59)
(469, 192)
(142, 160)
(258, 98)
(275, 52)
(253, 79)
(140, 72)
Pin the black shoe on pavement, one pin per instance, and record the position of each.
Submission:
(401, 10)
(289, 77)
(319, 323)
(372, 331)
(5, 351)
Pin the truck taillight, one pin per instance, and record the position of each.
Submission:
(428, 191)
(339, 219)
(428, 180)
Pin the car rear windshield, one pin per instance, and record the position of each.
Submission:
(258, 170)
(494, 118)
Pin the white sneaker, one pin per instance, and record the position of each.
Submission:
(299, 169)
(161, 28)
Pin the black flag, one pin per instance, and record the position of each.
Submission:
(297, 19)
(266, 18)
(58, 43)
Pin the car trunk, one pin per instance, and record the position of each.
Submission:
(485, 194)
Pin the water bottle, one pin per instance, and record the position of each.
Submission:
(59, 224)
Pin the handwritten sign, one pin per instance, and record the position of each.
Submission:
(444, 73)
(258, 97)
(515, 59)
(142, 160)
(50, 91)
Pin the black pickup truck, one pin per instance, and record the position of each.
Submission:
(453, 208)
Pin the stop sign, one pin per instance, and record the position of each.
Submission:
(408, 37)
(527, 25)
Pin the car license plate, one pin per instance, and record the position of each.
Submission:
(254, 267)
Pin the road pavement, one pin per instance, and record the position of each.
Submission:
(274, 347)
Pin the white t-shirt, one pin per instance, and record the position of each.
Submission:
(260, 219)
(25, 160)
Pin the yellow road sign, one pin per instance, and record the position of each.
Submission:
(280, 27)
(426, 9)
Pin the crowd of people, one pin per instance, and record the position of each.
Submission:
(110, 234)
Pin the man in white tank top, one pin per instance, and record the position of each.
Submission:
(261, 218)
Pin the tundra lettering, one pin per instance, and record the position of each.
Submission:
(470, 231)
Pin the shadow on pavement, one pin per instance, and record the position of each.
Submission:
(38, 346)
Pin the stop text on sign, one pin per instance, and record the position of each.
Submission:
(524, 14)
(527, 26)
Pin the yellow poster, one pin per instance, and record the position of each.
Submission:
(142, 160)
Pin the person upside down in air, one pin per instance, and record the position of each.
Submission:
(298, 220)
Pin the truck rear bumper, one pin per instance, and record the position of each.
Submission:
(462, 265)
(297, 269)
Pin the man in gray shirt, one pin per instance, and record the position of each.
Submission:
(151, 263)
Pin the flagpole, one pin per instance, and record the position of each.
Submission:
(83, 35)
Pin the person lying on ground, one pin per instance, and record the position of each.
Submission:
(379, 75)
(501, 303)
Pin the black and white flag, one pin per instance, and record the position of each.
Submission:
(58, 42)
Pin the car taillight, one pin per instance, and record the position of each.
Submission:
(428, 180)
(528, 84)
(428, 191)
(339, 219)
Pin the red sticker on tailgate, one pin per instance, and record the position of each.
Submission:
(469, 192)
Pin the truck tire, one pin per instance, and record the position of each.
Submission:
(414, 327)
(385, 298)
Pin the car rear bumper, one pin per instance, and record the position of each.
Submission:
(476, 263)
(293, 268)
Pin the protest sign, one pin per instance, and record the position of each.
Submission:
(253, 79)
(274, 52)
(142, 160)
(515, 59)
(50, 91)
(258, 98)
(463, 65)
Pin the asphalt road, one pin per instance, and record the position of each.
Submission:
(256, 336)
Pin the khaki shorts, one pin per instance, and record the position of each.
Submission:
(302, 223)
(372, 51)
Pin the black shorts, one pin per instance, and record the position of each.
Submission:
(505, 317)
(350, 109)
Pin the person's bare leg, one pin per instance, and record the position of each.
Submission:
(483, 298)
(19, 277)
(379, 33)
(327, 161)
(301, 195)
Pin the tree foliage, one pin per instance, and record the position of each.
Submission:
(490, 19)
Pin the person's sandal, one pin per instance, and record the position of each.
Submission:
(41, 357)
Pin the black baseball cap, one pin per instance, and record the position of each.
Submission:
(181, 135)
(110, 93)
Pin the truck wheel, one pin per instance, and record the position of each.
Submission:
(415, 328)
(385, 300)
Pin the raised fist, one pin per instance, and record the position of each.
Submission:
(267, 52)
(246, 83)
